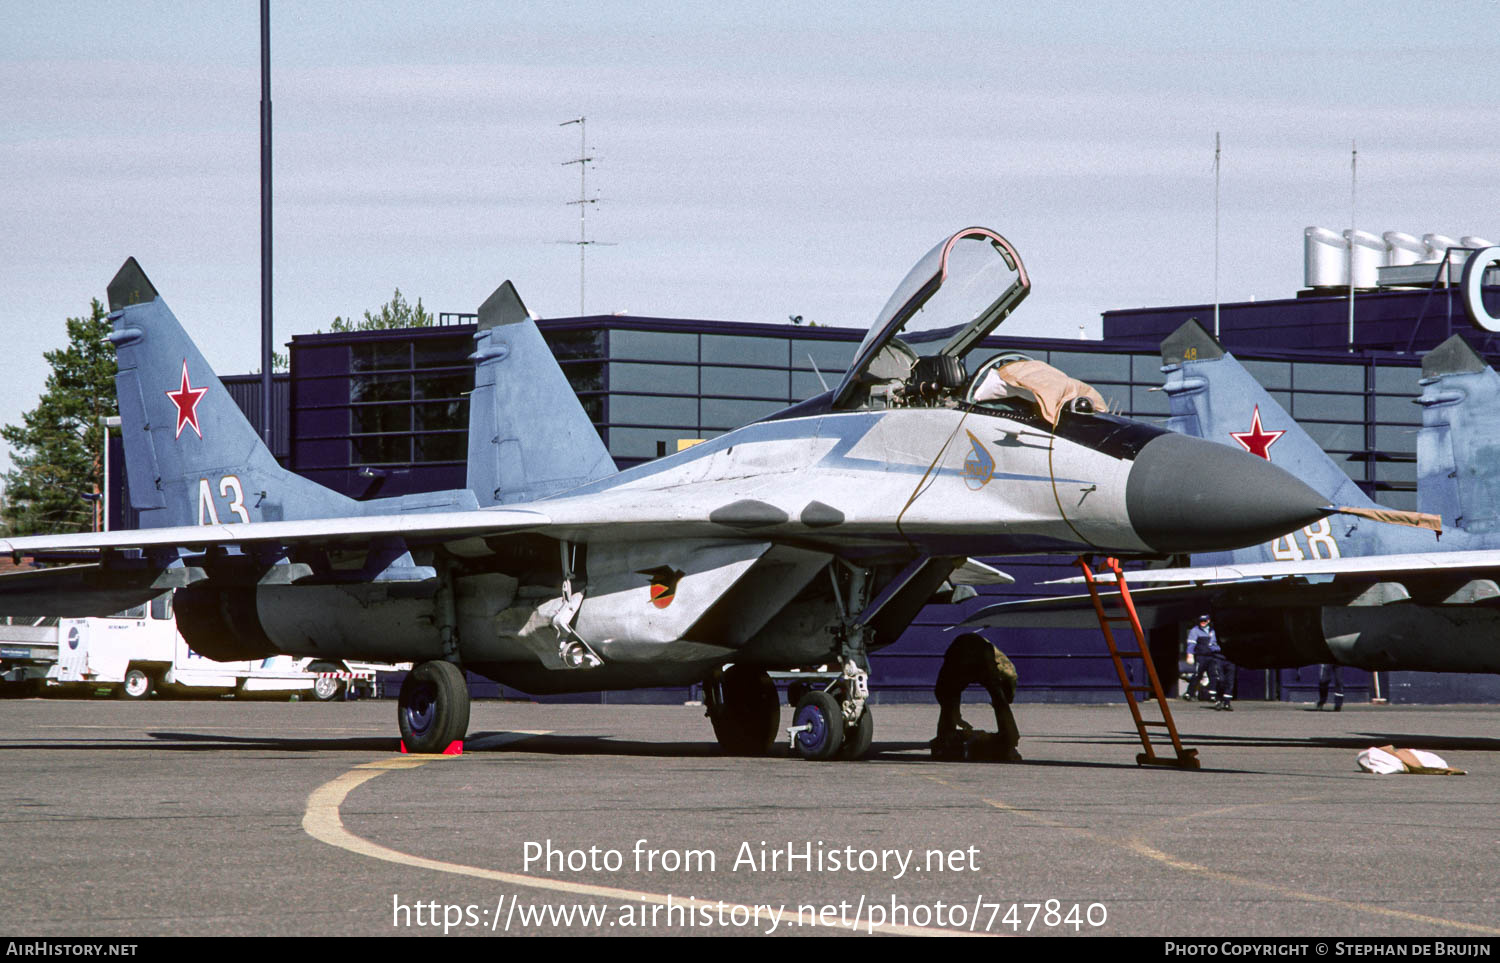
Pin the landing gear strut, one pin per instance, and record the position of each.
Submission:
(836, 723)
(745, 710)
(433, 709)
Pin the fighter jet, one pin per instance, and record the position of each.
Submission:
(1375, 597)
(803, 540)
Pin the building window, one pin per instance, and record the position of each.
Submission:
(659, 378)
(653, 346)
(1093, 368)
(747, 382)
(729, 349)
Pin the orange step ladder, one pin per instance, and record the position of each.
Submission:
(1182, 758)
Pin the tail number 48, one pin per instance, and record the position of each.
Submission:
(229, 487)
(1320, 544)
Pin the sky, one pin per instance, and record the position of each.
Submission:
(753, 160)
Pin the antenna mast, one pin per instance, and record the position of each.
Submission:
(583, 161)
(1216, 234)
(1353, 186)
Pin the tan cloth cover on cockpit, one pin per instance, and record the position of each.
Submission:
(1039, 382)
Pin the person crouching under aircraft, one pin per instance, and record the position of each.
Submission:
(972, 660)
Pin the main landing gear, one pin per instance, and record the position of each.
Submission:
(745, 710)
(433, 709)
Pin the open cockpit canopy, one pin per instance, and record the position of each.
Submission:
(957, 294)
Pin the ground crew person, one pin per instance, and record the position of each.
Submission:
(1329, 672)
(972, 660)
(1204, 642)
(1195, 666)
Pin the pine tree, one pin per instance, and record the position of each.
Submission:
(395, 313)
(58, 449)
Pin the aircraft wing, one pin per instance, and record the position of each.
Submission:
(1171, 595)
(1373, 566)
(1166, 605)
(434, 526)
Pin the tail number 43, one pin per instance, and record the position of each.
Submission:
(229, 488)
(1320, 544)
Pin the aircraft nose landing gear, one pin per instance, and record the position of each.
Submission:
(818, 727)
(821, 728)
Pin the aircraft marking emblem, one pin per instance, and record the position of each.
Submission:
(664, 579)
(186, 399)
(979, 466)
(1257, 441)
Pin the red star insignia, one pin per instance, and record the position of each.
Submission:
(1257, 441)
(664, 579)
(186, 399)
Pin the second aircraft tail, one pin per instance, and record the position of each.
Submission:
(529, 436)
(1212, 396)
(191, 457)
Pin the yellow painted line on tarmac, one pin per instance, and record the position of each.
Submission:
(1138, 846)
(322, 821)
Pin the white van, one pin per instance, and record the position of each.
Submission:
(139, 652)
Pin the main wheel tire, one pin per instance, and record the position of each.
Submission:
(136, 685)
(748, 717)
(825, 720)
(326, 690)
(433, 709)
(858, 737)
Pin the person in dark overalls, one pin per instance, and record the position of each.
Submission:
(1221, 671)
(972, 660)
(1194, 668)
(1329, 672)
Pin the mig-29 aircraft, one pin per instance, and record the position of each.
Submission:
(805, 539)
(1374, 597)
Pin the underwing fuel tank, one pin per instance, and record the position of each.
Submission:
(1370, 637)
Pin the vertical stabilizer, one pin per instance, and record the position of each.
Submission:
(191, 457)
(529, 436)
(1212, 396)
(1458, 449)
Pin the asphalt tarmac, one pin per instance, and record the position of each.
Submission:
(232, 818)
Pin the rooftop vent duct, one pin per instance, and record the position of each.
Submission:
(1365, 251)
(1324, 258)
(1436, 245)
(1402, 248)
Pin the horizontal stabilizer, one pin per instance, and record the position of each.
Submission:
(975, 572)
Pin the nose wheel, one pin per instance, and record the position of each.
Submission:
(818, 727)
(821, 729)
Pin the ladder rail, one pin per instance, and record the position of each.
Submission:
(1140, 635)
(1185, 758)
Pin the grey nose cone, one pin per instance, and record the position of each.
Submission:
(1185, 494)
